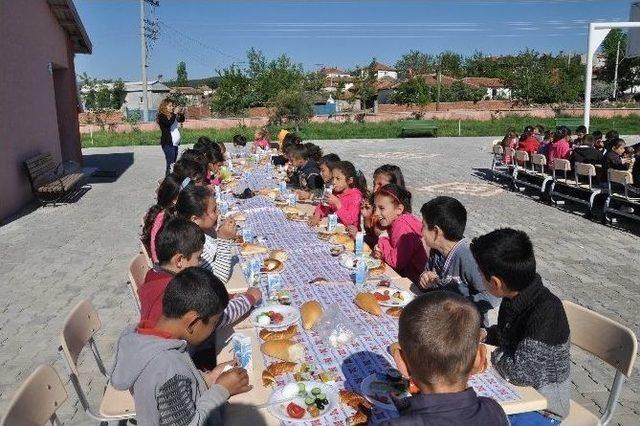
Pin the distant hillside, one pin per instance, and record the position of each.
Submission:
(209, 81)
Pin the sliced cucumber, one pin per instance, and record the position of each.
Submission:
(301, 387)
(309, 401)
(321, 396)
(316, 391)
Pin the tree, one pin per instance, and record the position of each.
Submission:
(628, 68)
(413, 91)
(118, 94)
(272, 77)
(181, 74)
(293, 106)
(450, 63)
(479, 65)
(415, 63)
(234, 92)
(364, 85)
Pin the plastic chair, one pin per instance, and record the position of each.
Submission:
(624, 179)
(611, 342)
(79, 328)
(535, 180)
(37, 399)
(138, 269)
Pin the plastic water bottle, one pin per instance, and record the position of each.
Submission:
(283, 186)
(218, 194)
(292, 199)
(230, 165)
(361, 272)
(247, 235)
(224, 208)
(359, 245)
(332, 222)
(328, 190)
(255, 265)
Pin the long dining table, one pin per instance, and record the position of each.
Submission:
(308, 259)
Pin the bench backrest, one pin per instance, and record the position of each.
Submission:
(623, 177)
(561, 165)
(522, 156)
(39, 166)
(584, 169)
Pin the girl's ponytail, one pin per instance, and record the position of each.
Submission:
(167, 194)
(359, 181)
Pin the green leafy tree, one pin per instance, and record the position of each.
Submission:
(451, 63)
(415, 63)
(292, 106)
(479, 65)
(628, 68)
(181, 74)
(364, 85)
(278, 74)
(90, 100)
(233, 95)
(103, 98)
(413, 91)
(118, 94)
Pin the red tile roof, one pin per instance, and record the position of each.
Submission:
(377, 66)
(386, 83)
(487, 82)
(332, 70)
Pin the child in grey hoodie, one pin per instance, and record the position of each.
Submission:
(153, 363)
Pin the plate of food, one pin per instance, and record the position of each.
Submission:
(350, 260)
(380, 388)
(393, 297)
(297, 216)
(303, 401)
(247, 249)
(271, 266)
(275, 316)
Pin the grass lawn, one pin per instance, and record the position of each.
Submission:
(384, 130)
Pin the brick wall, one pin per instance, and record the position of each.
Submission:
(447, 106)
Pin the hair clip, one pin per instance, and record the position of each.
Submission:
(185, 183)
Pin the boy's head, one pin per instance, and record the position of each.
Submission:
(179, 244)
(239, 140)
(618, 146)
(611, 135)
(506, 259)
(444, 219)
(597, 135)
(298, 154)
(194, 170)
(587, 140)
(581, 131)
(443, 354)
(195, 299)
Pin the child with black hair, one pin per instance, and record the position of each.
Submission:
(451, 265)
(401, 248)
(314, 152)
(610, 137)
(439, 338)
(167, 194)
(192, 169)
(180, 245)
(586, 153)
(598, 143)
(239, 140)
(386, 174)
(309, 179)
(613, 159)
(325, 168)
(153, 363)
(194, 155)
(532, 334)
(197, 204)
(214, 158)
(349, 186)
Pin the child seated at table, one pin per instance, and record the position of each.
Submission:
(532, 334)
(349, 185)
(439, 335)
(261, 141)
(197, 204)
(451, 265)
(386, 174)
(325, 166)
(402, 248)
(192, 169)
(167, 194)
(180, 244)
(214, 159)
(309, 178)
(153, 363)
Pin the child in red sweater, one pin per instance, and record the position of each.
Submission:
(402, 248)
(349, 186)
(180, 244)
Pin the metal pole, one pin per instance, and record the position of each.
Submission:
(438, 94)
(143, 59)
(615, 74)
(587, 80)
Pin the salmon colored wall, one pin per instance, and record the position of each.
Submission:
(31, 38)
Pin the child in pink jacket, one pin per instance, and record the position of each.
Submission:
(402, 248)
(559, 148)
(261, 141)
(349, 185)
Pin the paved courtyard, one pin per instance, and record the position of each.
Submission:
(52, 258)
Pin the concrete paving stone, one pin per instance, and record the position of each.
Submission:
(84, 249)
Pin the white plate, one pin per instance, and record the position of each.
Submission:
(291, 316)
(280, 410)
(407, 295)
(365, 389)
(347, 260)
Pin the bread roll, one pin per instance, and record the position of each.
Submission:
(285, 350)
(270, 373)
(249, 248)
(354, 400)
(368, 303)
(280, 255)
(394, 312)
(268, 335)
(311, 312)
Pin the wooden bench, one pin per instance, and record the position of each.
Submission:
(570, 122)
(50, 182)
(418, 128)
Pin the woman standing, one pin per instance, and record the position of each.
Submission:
(169, 115)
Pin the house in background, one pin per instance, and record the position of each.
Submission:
(193, 96)
(496, 88)
(383, 71)
(156, 92)
(39, 93)
(335, 78)
(385, 88)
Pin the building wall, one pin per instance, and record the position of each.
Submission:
(31, 39)
(392, 74)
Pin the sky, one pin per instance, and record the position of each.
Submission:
(212, 35)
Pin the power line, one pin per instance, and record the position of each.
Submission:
(206, 46)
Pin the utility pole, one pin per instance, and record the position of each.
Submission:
(615, 73)
(439, 78)
(147, 29)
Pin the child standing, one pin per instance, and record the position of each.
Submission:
(402, 249)
(153, 363)
(349, 185)
(261, 141)
(196, 203)
(438, 359)
(451, 265)
(532, 334)
(167, 195)
(180, 245)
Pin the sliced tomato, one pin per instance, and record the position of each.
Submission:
(381, 297)
(277, 318)
(295, 411)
